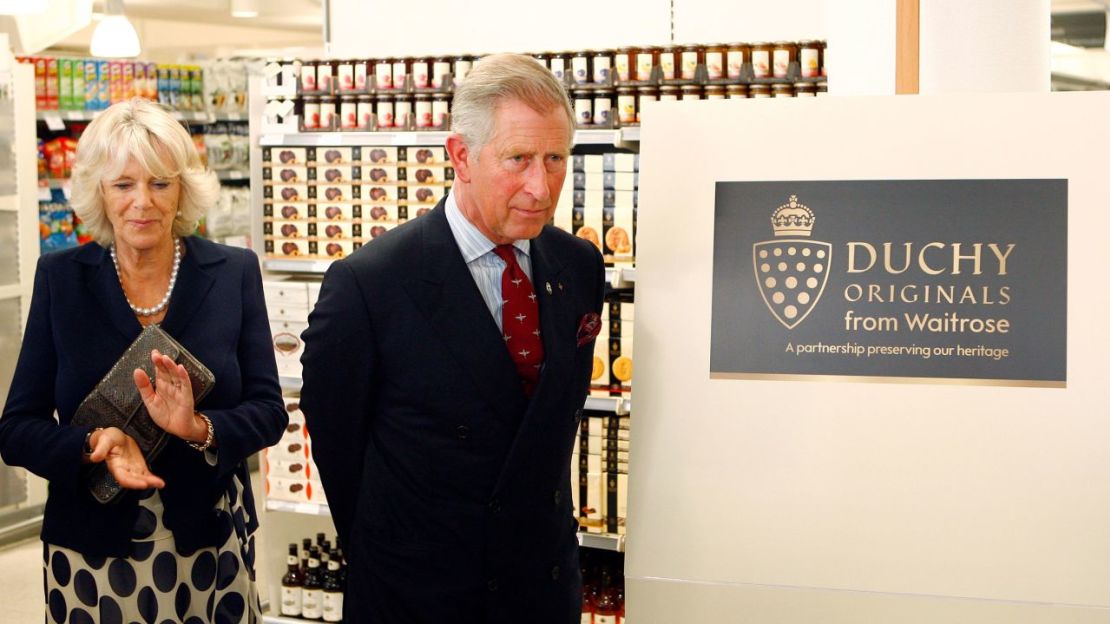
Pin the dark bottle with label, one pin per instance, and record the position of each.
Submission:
(333, 591)
(306, 544)
(606, 605)
(312, 600)
(292, 584)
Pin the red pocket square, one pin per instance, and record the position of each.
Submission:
(588, 328)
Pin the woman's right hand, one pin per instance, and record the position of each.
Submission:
(121, 454)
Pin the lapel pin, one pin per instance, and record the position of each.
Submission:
(548, 284)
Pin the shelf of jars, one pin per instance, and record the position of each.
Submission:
(608, 136)
(88, 115)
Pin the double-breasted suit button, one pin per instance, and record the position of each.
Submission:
(495, 506)
(555, 573)
(492, 585)
(463, 432)
(558, 496)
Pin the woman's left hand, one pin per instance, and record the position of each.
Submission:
(171, 404)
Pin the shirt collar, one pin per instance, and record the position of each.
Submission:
(472, 243)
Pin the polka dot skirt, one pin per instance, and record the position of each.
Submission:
(158, 583)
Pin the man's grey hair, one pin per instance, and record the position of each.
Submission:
(502, 77)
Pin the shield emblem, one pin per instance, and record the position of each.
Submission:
(791, 274)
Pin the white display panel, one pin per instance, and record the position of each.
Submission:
(775, 501)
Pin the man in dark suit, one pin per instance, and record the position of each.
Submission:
(442, 411)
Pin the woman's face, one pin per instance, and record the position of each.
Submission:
(140, 207)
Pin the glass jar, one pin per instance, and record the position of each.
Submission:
(440, 109)
(440, 67)
(626, 105)
(383, 73)
(361, 70)
(645, 94)
(583, 107)
(716, 57)
(327, 112)
(692, 56)
(782, 56)
(310, 113)
(602, 66)
(759, 91)
(348, 112)
(811, 58)
(558, 64)
(668, 93)
(624, 64)
(805, 89)
(669, 62)
(646, 60)
(384, 109)
(402, 111)
(421, 73)
(423, 107)
(603, 107)
(737, 92)
(400, 72)
(325, 72)
(737, 55)
(761, 60)
(580, 67)
(308, 76)
(714, 92)
(365, 108)
(691, 92)
(462, 68)
(782, 90)
(345, 75)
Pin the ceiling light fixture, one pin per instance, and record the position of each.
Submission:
(114, 36)
(244, 8)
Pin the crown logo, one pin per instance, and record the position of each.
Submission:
(793, 219)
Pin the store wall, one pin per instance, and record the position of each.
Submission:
(839, 501)
(363, 29)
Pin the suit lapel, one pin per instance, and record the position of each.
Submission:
(445, 292)
(194, 280)
(559, 346)
(102, 280)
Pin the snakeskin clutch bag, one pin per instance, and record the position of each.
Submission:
(115, 402)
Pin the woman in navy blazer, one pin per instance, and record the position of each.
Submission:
(179, 544)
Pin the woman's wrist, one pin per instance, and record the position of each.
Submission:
(205, 435)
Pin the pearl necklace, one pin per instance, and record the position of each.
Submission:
(173, 279)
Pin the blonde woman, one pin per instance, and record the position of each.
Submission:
(179, 544)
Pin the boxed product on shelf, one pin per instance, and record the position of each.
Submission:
(380, 174)
(331, 192)
(337, 211)
(289, 248)
(599, 376)
(424, 174)
(287, 229)
(288, 346)
(285, 155)
(335, 174)
(380, 155)
(380, 194)
(427, 155)
(377, 229)
(335, 155)
(290, 211)
(286, 193)
(285, 174)
(336, 249)
(588, 163)
(425, 194)
(339, 230)
(564, 209)
(615, 161)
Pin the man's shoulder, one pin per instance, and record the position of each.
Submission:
(566, 243)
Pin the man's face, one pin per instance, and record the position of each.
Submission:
(513, 184)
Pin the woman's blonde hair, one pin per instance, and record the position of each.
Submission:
(142, 130)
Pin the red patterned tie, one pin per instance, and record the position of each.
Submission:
(520, 320)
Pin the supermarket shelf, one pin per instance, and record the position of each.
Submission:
(601, 541)
(617, 405)
(309, 139)
(621, 277)
(88, 115)
(297, 266)
(290, 383)
(233, 174)
(280, 619)
(311, 509)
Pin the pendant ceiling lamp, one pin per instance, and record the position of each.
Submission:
(114, 36)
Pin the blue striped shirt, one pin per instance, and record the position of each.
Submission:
(485, 266)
